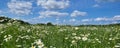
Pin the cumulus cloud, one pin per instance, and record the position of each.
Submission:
(52, 14)
(53, 4)
(20, 7)
(78, 13)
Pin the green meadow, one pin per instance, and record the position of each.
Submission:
(16, 35)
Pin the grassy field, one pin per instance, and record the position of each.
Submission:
(15, 35)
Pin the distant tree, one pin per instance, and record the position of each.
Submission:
(22, 22)
(49, 24)
(40, 24)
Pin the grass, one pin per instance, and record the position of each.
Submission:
(36, 36)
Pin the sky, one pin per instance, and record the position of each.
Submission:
(72, 12)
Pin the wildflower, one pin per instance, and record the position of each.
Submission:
(33, 46)
(28, 30)
(99, 41)
(51, 46)
(7, 37)
(38, 44)
(66, 38)
(26, 37)
(117, 45)
(76, 28)
(82, 34)
(73, 34)
(9, 24)
(87, 34)
(110, 39)
(96, 39)
(84, 38)
(1, 20)
(18, 45)
(2, 32)
(73, 42)
(77, 38)
(108, 42)
(17, 39)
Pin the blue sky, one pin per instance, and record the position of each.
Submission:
(74, 12)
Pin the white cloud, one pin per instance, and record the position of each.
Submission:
(20, 7)
(103, 1)
(101, 19)
(78, 13)
(96, 5)
(72, 20)
(53, 4)
(86, 20)
(116, 17)
(52, 13)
